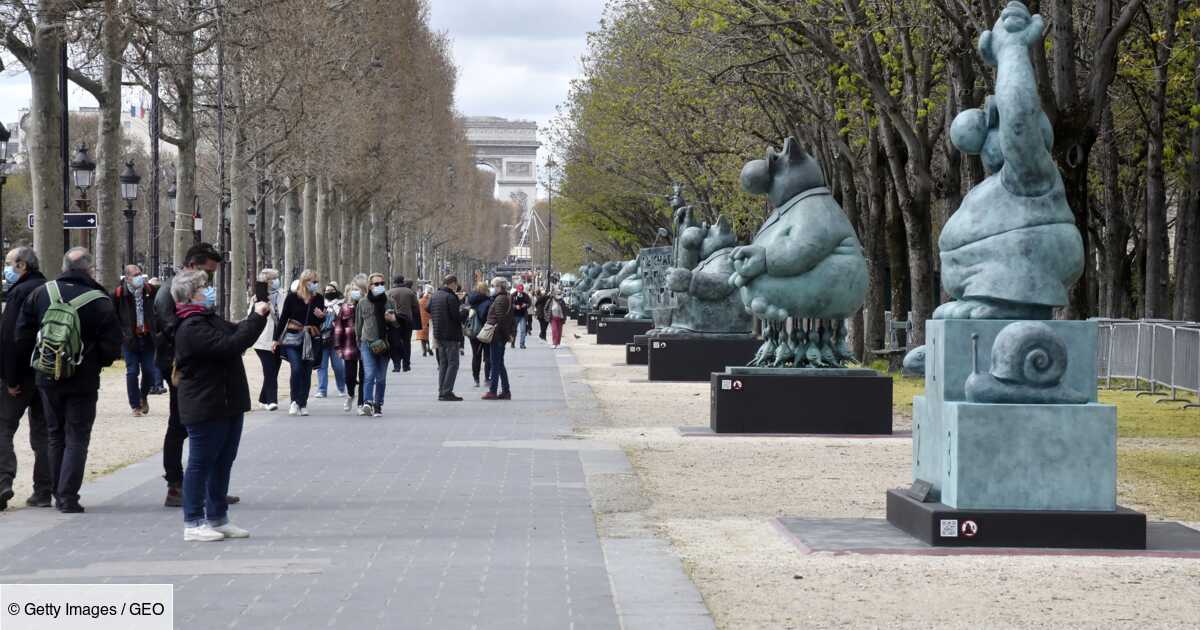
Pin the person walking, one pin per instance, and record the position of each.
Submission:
(408, 315)
(333, 301)
(297, 335)
(521, 303)
(134, 300)
(375, 315)
(540, 300)
(213, 400)
(345, 341)
(558, 314)
(479, 300)
(159, 387)
(199, 257)
(423, 334)
(446, 320)
(267, 290)
(18, 390)
(69, 397)
(501, 315)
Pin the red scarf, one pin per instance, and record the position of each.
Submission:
(184, 311)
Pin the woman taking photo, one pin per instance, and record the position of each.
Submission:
(501, 317)
(298, 335)
(374, 315)
(213, 399)
(267, 290)
(345, 343)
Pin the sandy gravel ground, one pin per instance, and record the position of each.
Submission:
(118, 438)
(715, 498)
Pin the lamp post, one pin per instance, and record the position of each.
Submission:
(252, 255)
(83, 169)
(129, 192)
(197, 223)
(4, 136)
(550, 166)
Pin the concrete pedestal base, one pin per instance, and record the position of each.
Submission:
(637, 352)
(835, 402)
(593, 323)
(940, 525)
(619, 331)
(696, 358)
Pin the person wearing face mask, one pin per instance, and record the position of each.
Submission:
(446, 316)
(18, 391)
(480, 300)
(214, 397)
(373, 319)
(333, 301)
(133, 299)
(267, 290)
(345, 342)
(200, 257)
(70, 401)
(298, 337)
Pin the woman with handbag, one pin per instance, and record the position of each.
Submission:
(373, 316)
(297, 335)
(479, 301)
(558, 313)
(333, 302)
(345, 342)
(499, 330)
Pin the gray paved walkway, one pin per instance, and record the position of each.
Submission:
(439, 515)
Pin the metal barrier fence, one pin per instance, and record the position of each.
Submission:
(1160, 358)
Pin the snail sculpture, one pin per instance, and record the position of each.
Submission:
(1028, 364)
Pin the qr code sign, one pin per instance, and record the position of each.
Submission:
(949, 528)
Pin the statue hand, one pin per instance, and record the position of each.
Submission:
(749, 262)
(679, 280)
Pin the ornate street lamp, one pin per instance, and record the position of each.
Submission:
(83, 169)
(129, 192)
(550, 166)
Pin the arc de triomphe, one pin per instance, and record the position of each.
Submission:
(510, 148)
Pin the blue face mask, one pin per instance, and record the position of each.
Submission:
(210, 297)
(10, 274)
(356, 295)
(312, 287)
(378, 290)
(139, 282)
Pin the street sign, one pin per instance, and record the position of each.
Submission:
(74, 221)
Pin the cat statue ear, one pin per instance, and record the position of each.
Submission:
(793, 150)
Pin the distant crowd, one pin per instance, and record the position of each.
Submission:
(56, 337)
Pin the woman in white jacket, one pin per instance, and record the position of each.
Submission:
(268, 287)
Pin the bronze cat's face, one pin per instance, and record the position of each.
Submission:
(720, 236)
(782, 175)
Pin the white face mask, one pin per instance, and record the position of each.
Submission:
(356, 295)
(492, 291)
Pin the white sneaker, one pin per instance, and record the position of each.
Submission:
(204, 533)
(304, 411)
(272, 406)
(366, 410)
(320, 395)
(293, 409)
(346, 405)
(229, 530)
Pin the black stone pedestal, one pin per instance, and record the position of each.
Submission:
(593, 323)
(943, 526)
(804, 401)
(637, 352)
(619, 331)
(581, 318)
(695, 358)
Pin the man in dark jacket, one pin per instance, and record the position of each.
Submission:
(17, 389)
(446, 316)
(408, 313)
(134, 300)
(213, 397)
(201, 257)
(70, 403)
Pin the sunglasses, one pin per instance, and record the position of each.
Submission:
(378, 284)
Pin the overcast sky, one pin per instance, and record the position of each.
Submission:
(516, 58)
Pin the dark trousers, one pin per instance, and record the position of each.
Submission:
(301, 380)
(173, 441)
(12, 408)
(139, 358)
(270, 367)
(480, 354)
(400, 340)
(69, 420)
(351, 376)
(499, 372)
(447, 358)
(543, 325)
(212, 448)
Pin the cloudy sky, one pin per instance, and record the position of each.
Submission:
(516, 58)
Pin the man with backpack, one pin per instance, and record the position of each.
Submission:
(72, 326)
(18, 391)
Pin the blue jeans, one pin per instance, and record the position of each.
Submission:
(328, 356)
(375, 367)
(301, 379)
(499, 372)
(522, 330)
(212, 447)
(138, 360)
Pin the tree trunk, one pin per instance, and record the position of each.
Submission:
(292, 233)
(1187, 255)
(1157, 302)
(240, 196)
(914, 211)
(1114, 272)
(308, 257)
(185, 127)
(110, 248)
(321, 232)
(874, 244)
(45, 133)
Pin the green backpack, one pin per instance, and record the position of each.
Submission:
(59, 348)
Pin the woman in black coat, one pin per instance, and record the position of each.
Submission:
(213, 398)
